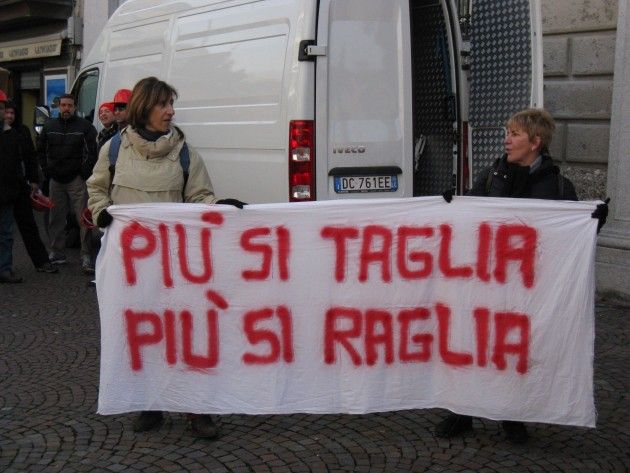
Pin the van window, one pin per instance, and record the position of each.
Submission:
(84, 90)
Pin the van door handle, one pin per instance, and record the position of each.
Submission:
(314, 50)
(309, 50)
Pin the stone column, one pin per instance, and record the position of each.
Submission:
(613, 253)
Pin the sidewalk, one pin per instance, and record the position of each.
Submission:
(49, 367)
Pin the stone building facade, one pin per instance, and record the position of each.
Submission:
(40, 50)
(613, 255)
(42, 43)
(579, 60)
(586, 51)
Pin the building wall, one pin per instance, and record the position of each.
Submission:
(613, 245)
(96, 13)
(95, 16)
(579, 58)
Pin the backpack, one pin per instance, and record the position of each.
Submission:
(114, 149)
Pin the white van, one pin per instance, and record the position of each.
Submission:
(291, 100)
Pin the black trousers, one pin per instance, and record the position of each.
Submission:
(23, 215)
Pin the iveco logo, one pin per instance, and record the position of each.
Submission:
(349, 150)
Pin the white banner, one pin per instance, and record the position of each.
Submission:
(481, 306)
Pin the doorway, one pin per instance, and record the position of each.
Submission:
(434, 99)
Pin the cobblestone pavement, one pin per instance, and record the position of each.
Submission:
(49, 366)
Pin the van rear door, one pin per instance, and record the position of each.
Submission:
(505, 73)
(363, 107)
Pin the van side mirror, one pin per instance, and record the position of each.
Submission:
(40, 115)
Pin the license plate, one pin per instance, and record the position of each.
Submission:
(345, 184)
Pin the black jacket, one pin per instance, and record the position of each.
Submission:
(17, 165)
(105, 135)
(67, 148)
(509, 180)
(28, 143)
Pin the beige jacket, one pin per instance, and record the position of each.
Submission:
(147, 172)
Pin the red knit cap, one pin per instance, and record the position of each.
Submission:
(108, 105)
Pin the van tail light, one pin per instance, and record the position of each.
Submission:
(301, 160)
(465, 164)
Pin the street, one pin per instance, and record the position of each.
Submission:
(49, 374)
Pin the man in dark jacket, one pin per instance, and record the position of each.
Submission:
(10, 173)
(525, 171)
(22, 211)
(17, 166)
(67, 153)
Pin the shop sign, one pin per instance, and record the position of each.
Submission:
(30, 51)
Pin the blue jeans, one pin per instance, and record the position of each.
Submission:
(6, 237)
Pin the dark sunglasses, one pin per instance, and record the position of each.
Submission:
(120, 106)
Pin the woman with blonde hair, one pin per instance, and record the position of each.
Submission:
(524, 171)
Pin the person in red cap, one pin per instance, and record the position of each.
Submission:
(18, 168)
(121, 100)
(107, 119)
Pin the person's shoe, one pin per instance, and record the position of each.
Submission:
(147, 420)
(453, 425)
(203, 426)
(57, 258)
(8, 277)
(515, 432)
(47, 268)
(86, 265)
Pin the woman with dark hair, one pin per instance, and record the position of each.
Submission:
(22, 211)
(141, 170)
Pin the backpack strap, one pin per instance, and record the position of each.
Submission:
(184, 161)
(561, 186)
(114, 148)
